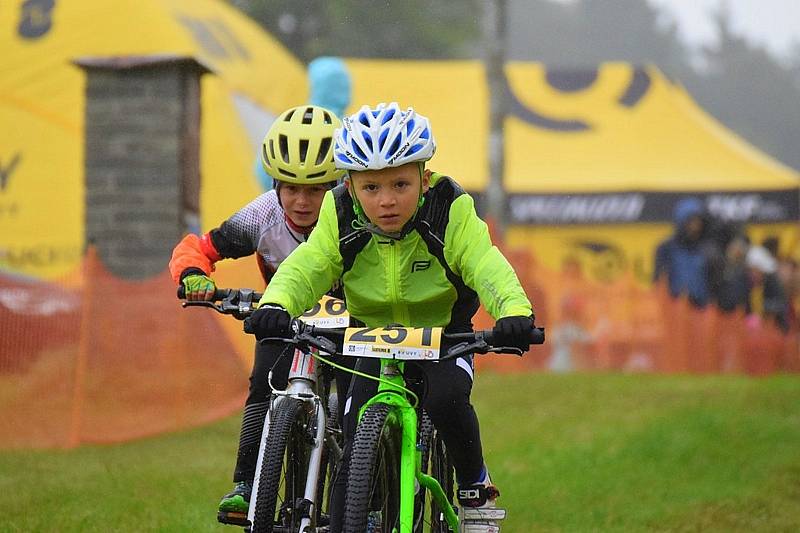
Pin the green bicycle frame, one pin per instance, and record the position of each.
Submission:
(391, 391)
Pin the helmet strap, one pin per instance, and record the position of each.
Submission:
(305, 230)
(276, 184)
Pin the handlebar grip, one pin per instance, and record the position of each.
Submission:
(537, 336)
(248, 326)
(219, 294)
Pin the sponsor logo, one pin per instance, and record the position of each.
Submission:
(418, 266)
(399, 153)
(36, 18)
(349, 154)
(468, 494)
(7, 169)
(745, 207)
(572, 209)
(39, 256)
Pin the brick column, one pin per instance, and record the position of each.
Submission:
(142, 165)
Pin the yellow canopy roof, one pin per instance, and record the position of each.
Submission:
(622, 128)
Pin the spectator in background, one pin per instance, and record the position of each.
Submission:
(789, 274)
(772, 245)
(768, 297)
(683, 258)
(330, 87)
(734, 288)
(330, 84)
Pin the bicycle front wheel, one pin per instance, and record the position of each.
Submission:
(373, 486)
(282, 479)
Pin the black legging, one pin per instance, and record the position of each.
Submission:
(278, 358)
(445, 390)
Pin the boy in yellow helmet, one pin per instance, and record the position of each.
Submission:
(298, 153)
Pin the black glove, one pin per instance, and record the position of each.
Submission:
(513, 331)
(271, 320)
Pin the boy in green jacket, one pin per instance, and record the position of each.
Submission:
(409, 249)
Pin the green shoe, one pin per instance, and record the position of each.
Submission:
(233, 506)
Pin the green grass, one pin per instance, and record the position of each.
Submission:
(570, 453)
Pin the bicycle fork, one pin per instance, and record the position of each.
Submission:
(411, 470)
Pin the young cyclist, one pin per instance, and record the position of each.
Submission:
(409, 249)
(298, 153)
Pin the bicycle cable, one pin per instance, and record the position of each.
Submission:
(414, 397)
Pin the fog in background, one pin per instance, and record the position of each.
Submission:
(749, 80)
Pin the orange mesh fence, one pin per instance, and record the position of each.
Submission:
(99, 360)
(94, 359)
(622, 326)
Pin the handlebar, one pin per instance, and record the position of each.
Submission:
(325, 339)
(240, 303)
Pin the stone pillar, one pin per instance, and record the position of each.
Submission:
(142, 164)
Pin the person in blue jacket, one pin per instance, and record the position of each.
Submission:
(683, 258)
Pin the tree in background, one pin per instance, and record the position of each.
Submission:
(751, 92)
(412, 29)
(588, 32)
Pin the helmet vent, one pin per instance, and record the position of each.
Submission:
(315, 175)
(303, 150)
(264, 157)
(327, 117)
(283, 146)
(324, 147)
(359, 152)
(288, 116)
(308, 116)
(368, 140)
(287, 173)
(272, 148)
(395, 146)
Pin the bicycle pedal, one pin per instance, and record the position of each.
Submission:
(483, 513)
(233, 518)
(479, 527)
(480, 519)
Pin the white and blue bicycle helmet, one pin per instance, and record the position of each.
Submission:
(383, 137)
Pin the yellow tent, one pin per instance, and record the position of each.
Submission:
(595, 159)
(42, 109)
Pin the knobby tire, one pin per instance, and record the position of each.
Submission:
(374, 478)
(283, 469)
(442, 470)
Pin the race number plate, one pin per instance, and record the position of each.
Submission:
(393, 343)
(328, 313)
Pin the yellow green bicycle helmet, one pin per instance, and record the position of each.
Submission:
(298, 147)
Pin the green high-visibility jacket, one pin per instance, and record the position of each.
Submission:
(433, 276)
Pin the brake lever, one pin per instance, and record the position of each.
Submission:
(201, 303)
(511, 350)
(462, 348)
(321, 343)
(273, 339)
